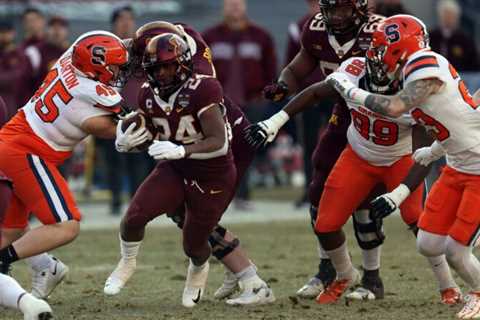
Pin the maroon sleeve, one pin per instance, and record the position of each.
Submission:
(141, 97)
(310, 33)
(207, 93)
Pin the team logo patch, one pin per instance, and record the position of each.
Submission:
(391, 31)
(183, 100)
(98, 55)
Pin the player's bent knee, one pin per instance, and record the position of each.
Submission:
(369, 234)
(134, 218)
(430, 245)
(69, 230)
(222, 242)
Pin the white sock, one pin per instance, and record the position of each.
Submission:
(40, 262)
(371, 258)
(247, 273)
(442, 272)
(461, 259)
(129, 250)
(196, 268)
(10, 292)
(341, 261)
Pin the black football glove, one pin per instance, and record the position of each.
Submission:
(381, 207)
(256, 135)
(276, 91)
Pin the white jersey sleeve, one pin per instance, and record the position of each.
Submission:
(64, 102)
(379, 140)
(450, 114)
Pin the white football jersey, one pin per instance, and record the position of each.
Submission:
(378, 139)
(451, 114)
(64, 101)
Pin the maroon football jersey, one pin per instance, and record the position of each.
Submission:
(330, 54)
(178, 119)
(202, 56)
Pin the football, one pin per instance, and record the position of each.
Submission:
(140, 122)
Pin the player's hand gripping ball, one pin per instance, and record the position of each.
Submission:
(134, 133)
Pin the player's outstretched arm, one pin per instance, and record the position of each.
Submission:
(413, 95)
(385, 204)
(291, 77)
(260, 133)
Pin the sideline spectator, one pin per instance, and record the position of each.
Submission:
(44, 54)
(14, 67)
(135, 166)
(245, 61)
(33, 27)
(313, 119)
(390, 8)
(449, 40)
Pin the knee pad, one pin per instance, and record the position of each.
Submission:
(368, 233)
(220, 246)
(430, 245)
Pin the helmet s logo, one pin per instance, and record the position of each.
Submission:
(391, 31)
(98, 55)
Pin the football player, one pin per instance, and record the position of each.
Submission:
(192, 135)
(341, 30)
(378, 151)
(225, 246)
(12, 295)
(437, 98)
(76, 99)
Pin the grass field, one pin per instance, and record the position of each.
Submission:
(285, 254)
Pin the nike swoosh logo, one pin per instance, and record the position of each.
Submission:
(197, 299)
(356, 53)
(215, 191)
(55, 270)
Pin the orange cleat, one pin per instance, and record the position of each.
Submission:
(337, 288)
(451, 296)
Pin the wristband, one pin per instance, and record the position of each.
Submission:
(399, 194)
(358, 95)
(279, 119)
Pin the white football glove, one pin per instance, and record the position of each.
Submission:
(341, 83)
(126, 141)
(166, 150)
(427, 155)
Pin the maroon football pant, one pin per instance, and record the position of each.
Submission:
(167, 188)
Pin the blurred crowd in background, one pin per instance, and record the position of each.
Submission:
(246, 58)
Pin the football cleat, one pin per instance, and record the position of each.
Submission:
(371, 288)
(471, 310)
(195, 284)
(451, 296)
(255, 292)
(326, 274)
(46, 280)
(119, 277)
(337, 288)
(311, 289)
(34, 309)
(228, 287)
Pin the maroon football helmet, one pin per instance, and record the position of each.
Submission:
(142, 36)
(167, 63)
(343, 16)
